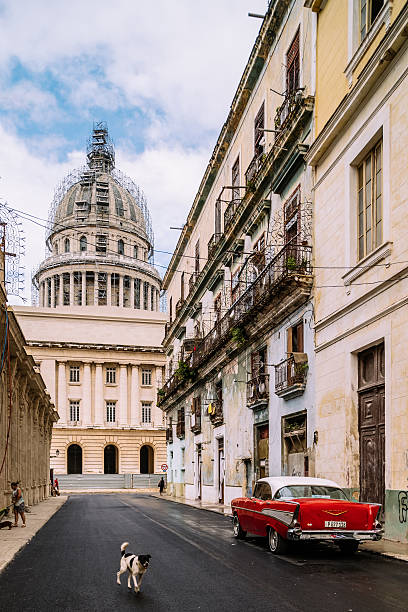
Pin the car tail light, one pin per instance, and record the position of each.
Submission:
(295, 524)
(377, 522)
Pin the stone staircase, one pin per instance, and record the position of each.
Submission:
(76, 482)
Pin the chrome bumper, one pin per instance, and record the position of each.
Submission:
(297, 534)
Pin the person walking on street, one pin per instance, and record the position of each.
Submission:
(18, 504)
(161, 485)
(56, 487)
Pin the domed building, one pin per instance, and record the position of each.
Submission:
(97, 330)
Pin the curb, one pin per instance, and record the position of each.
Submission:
(12, 551)
(177, 501)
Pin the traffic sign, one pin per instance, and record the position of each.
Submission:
(164, 467)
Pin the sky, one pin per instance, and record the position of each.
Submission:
(161, 74)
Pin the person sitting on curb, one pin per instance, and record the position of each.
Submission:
(18, 504)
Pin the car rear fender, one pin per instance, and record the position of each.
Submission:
(282, 518)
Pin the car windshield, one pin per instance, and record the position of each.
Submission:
(295, 491)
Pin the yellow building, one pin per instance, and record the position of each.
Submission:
(361, 251)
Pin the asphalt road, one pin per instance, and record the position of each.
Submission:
(196, 564)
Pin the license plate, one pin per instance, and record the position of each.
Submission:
(335, 524)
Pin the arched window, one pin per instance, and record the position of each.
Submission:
(146, 460)
(66, 245)
(56, 248)
(110, 459)
(121, 247)
(83, 243)
(135, 252)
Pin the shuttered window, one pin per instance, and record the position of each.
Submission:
(293, 66)
(370, 202)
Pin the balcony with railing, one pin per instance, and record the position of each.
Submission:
(231, 212)
(290, 376)
(212, 244)
(216, 413)
(290, 272)
(253, 168)
(191, 281)
(291, 109)
(258, 391)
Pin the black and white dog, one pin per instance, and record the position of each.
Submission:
(136, 565)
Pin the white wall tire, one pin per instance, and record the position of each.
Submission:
(277, 545)
(239, 533)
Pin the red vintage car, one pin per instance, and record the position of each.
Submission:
(291, 508)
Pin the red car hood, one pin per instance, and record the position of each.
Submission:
(321, 514)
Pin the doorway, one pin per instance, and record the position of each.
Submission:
(110, 459)
(146, 460)
(198, 472)
(74, 463)
(371, 423)
(221, 470)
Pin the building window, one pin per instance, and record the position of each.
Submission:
(110, 412)
(65, 288)
(293, 66)
(83, 243)
(115, 289)
(146, 377)
(101, 242)
(146, 412)
(74, 411)
(102, 289)
(66, 245)
(111, 376)
(137, 293)
(370, 202)
(369, 10)
(151, 298)
(182, 285)
(259, 253)
(135, 252)
(217, 309)
(259, 136)
(145, 296)
(291, 212)
(235, 179)
(121, 247)
(295, 338)
(171, 310)
(197, 258)
(74, 374)
(56, 248)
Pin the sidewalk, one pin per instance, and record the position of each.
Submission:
(386, 548)
(12, 540)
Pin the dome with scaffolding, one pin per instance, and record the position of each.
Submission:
(99, 238)
(100, 195)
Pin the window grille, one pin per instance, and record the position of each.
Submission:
(146, 412)
(111, 376)
(146, 377)
(110, 412)
(74, 410)
(74, 374)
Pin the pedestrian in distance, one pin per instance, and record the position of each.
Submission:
(161, 485)
(56, 486)
(18, 504)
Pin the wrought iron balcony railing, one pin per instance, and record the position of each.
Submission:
(258, 390)
(290, 265)
(253, 168)
(290, 376)
(212, 244)
(231, 212)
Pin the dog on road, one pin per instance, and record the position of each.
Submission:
(136, 565)
(5, 524)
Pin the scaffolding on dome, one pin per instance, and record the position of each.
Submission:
(100, 150)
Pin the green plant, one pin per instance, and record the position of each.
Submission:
(251, 187)
(238, 336)
(161, 393)
(291, 263)
(184, 372)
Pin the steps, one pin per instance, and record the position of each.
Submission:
(76, 482)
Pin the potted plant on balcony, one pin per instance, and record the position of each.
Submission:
(161, 393)
(238, 336)
(184, 372)
(291, 263)
(251, 186)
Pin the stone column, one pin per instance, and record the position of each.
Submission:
(86, 396)
(71, 288)
(53, 291)
(109, 289)
(83, 282)
(134, 397)
(123, 421)
(121, 290)
(62, 394)
(132, 292)
(99, 403)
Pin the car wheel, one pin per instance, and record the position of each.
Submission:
(349, 547)
(277, 544)
(238, 531)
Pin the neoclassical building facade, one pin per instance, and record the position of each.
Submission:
(97, 330)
